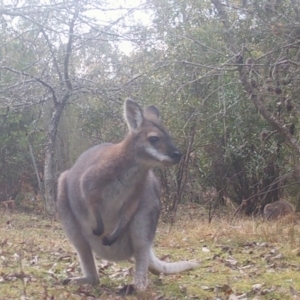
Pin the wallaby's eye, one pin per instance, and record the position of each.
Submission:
(153, 139)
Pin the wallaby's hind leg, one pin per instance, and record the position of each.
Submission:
(141, 257)
(86, 257)
(142, 240)
(84, 251)
(88, 266)
(75, 235)
(142, 234)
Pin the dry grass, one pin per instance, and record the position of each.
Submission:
(244, 259)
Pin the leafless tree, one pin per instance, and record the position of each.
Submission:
(52, 54)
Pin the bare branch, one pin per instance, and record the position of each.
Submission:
(69, 51)
(48, 86)
(52, 54)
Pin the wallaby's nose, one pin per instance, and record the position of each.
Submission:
(177, 156)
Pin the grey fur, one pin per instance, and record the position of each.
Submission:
(277, 209)
(88, 194)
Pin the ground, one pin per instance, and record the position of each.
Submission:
(240, 259)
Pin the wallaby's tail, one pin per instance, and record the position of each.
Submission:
(157, 266)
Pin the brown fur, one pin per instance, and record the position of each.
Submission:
(277, 209)
(112, 190)
(95, 186)
(120, 170)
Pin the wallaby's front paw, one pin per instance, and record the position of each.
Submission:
(106, 241)
(98, 231)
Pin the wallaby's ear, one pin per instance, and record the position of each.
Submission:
(152, 113)
(133, 115)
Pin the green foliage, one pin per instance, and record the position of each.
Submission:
(15, 162)
(196, 75)
(102, 122)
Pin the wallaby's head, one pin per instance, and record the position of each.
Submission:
(152, 143)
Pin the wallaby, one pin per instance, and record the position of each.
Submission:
(277, 209)
(112, 191)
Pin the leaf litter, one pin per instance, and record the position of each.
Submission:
(35, 258)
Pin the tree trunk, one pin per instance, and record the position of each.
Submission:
(49, 170)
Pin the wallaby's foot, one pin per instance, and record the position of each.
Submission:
(140, 282)
(98, 231)
(127, 290)
(107, 241)
(81, 280)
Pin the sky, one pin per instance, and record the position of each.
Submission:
(119, 8)
(113, 11)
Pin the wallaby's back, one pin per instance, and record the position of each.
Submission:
(277, 209)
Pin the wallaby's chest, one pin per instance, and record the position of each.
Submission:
(126, 186)
(122, 184)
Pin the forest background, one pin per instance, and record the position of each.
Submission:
(224, 74)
